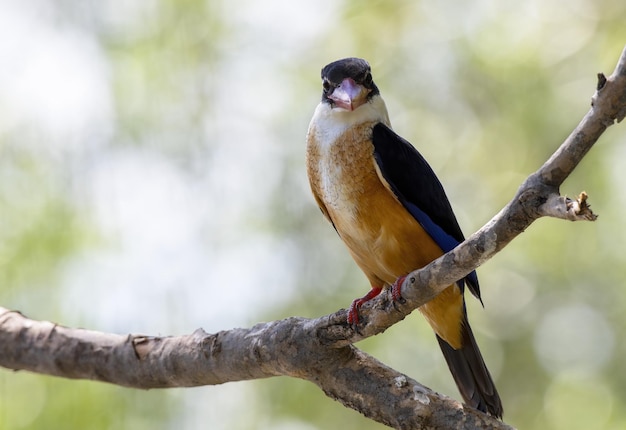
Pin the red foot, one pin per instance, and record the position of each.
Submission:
(353, 312)
(396, 290)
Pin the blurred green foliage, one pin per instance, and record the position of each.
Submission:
(216, 96)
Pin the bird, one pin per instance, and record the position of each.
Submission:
(391, 211)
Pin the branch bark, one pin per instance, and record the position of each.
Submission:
(320, 350)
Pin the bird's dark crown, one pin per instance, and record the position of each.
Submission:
(355, 68)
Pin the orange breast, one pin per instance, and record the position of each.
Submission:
(383, 237)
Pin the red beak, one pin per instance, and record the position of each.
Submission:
(348, 95)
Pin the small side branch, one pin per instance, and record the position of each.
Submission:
(565, 208)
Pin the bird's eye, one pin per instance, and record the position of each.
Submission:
(326, 85)
(368, 79)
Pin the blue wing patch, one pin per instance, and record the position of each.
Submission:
(443, 239)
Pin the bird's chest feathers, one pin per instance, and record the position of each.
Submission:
(343, 174)
(343, 170)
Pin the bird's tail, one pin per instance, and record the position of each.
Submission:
(470, 373)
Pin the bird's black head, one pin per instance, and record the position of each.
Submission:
(348, 83)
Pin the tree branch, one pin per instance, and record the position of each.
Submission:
(293, 347)
(320, 350)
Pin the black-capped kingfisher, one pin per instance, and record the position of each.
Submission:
(391, 211)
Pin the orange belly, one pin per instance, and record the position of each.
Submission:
(387, 242)
(383, 237)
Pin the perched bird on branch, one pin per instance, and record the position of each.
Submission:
(391, 211)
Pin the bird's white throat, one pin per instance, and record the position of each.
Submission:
(329, 123)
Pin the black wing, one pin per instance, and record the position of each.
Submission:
(417, 187)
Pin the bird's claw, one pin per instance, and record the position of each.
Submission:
(396, 290)
(353, 311)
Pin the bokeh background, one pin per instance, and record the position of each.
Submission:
(152, 156)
